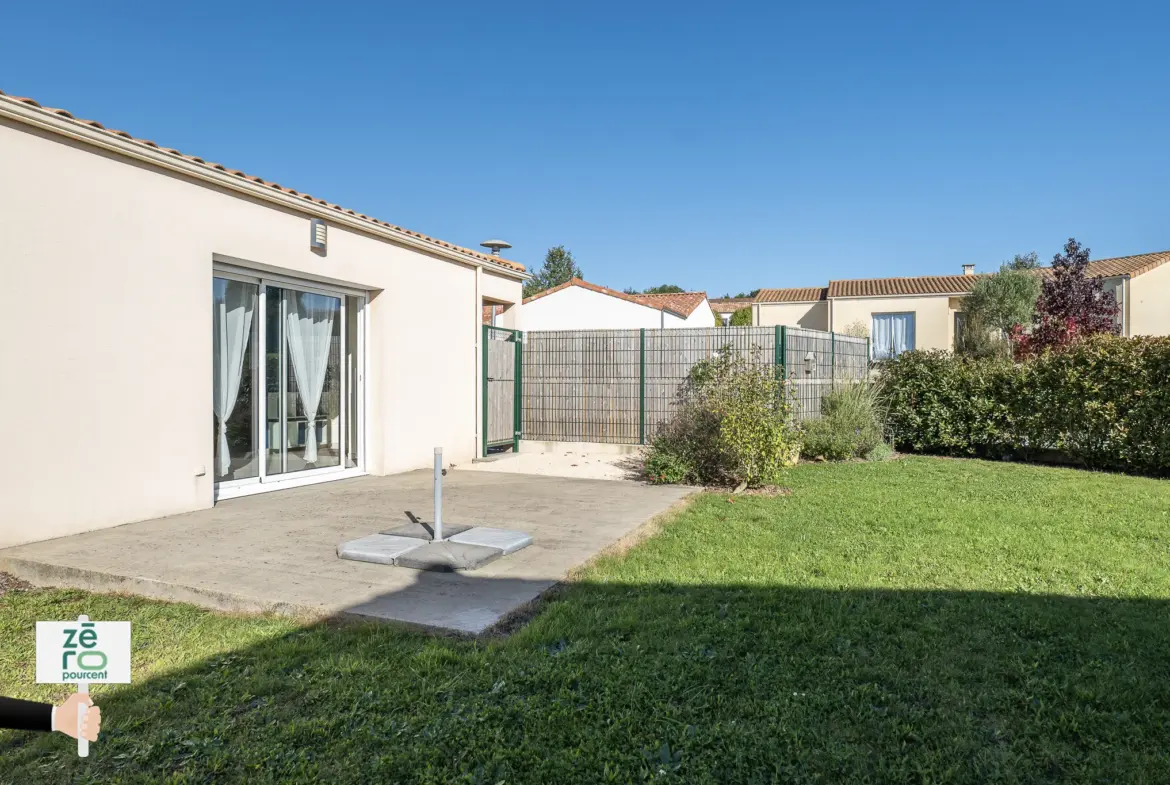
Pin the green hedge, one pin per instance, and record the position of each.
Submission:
(1103, 403)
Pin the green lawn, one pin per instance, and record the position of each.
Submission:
(918, 620)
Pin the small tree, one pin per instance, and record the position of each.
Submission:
(1072, 306)
(666, 288)
(741, 318)
(997, 305)
(558, 268)
(856, 329)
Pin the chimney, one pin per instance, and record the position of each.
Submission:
(968, 269)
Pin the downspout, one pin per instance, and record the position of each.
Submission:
(475, 426)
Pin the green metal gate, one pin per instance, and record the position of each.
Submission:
(503, 385)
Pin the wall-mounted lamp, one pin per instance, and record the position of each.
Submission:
(317, 234)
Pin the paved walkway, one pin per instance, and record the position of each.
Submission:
(562, 463)
(277, 551)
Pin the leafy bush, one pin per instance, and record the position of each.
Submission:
(741, 318)
(732, 424)
(850, 425)
(1102, 402)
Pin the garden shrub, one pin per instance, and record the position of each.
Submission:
(1103, 402)
(850, 425)
(732, 424)
(741, 318)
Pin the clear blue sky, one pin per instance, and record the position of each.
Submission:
(722, 146)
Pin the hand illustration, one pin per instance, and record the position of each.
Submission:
(65, 717)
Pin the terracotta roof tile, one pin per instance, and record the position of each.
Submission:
(682, 303)
(924, 284)
(219, 167)
(1132, 266)
(806, 294)
(730, 304)
(595, 288)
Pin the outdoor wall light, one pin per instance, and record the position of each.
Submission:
(317, 234)
(810, 360)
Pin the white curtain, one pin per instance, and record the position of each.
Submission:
(234, 303)
(309, 327)
(893, 333)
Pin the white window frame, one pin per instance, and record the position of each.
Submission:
(264, 482)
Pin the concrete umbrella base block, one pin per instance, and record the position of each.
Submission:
(506, 540)
(448, 556)
(377, 548)
(424, 531)
(469, 549)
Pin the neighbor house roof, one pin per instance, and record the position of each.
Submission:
(1132, 266)
(730, 304)
(636, 299)
(682, 303)
(882, 287)
(93, 124)
(807, 294)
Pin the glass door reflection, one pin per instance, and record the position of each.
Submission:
(304, 381)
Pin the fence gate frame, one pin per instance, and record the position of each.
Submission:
(516, 338)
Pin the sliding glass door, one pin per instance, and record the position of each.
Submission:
(308, 418)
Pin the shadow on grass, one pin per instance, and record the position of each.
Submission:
(667, 682)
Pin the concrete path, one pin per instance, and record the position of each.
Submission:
(574, 463)
(276, 551)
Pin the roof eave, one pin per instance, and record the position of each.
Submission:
(61, 126)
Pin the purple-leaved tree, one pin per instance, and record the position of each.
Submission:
(1072, 305)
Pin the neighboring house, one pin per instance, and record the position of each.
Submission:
(691, 307)
(186, 332)
(923, 312)
(802, 307)
(726, 306)
(580, 305)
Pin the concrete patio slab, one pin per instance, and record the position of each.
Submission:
(277, 551)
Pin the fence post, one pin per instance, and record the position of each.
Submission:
(778, 354)
(517, 405)
(832, 360)
(484, 341)
(868, 356)
(783, 331)
(642, 386)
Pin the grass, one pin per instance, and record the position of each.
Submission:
(918, 620)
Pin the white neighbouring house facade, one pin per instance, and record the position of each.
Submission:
(176, 332)
(580, 305)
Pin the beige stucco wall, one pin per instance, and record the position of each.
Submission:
(496, 288)
(1149, 302)
(811, 316)
(934, 321)
(106, 343)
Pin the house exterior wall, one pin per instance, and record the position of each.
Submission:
(811, 316)
(1149, 302)
(111, 334)
(578, 308)
(934, 320)
(509, 291)
(702, 316)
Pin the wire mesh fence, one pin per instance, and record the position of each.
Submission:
(620, 386)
